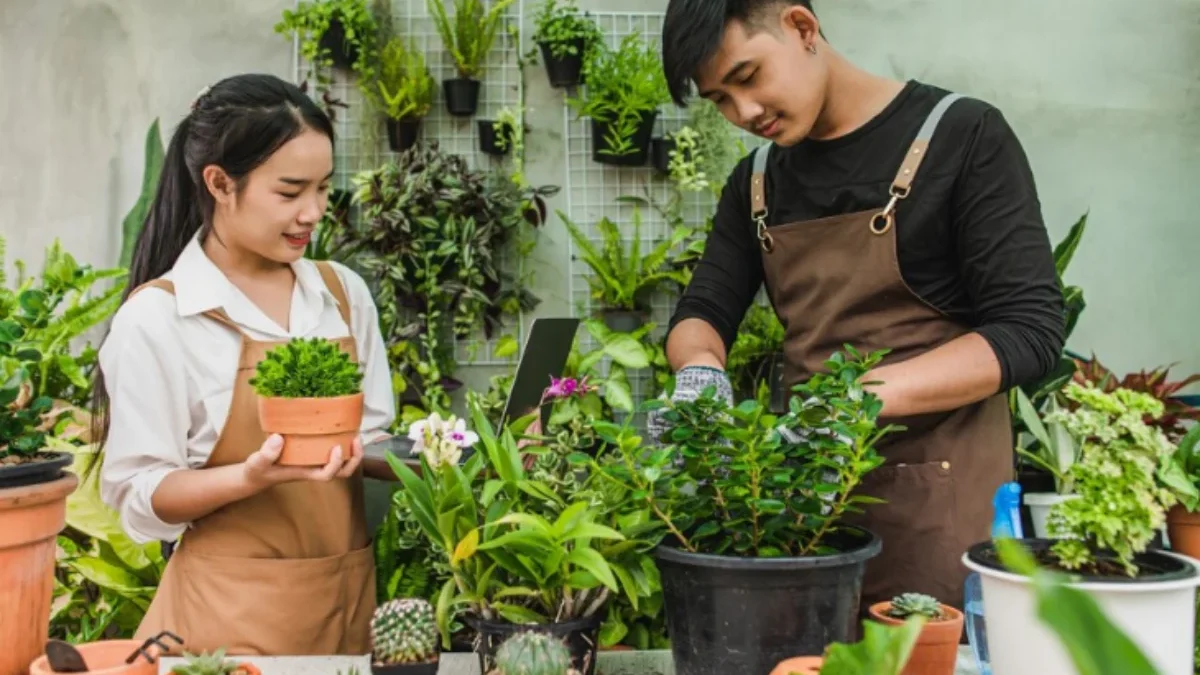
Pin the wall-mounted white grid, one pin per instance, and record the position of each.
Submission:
(362, 145)
(592, 189)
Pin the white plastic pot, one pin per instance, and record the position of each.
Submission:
(1158, 616)
(1039, 504)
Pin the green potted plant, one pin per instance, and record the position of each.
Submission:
(624, 90)
(622, 278)
(310, 391)
(404, 638)
(1181, 474)
(1047, 445)
(763, 542)
(564, 35)
(332, 33)
(403, 91)
(1119, 507)
(468, 38)
(936, 650)
(530, 653)
(498, 136)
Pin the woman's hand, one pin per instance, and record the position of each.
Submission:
(262, 471)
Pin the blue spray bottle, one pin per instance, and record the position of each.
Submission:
(1006, 524)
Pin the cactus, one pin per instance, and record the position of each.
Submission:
(530, 653)
(404, 631)
(914, 604)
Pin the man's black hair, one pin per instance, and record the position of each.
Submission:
(692, 32)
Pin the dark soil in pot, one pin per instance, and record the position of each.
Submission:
(492, 141)
(343, 53)
(405, 669)
(18, 470)
(639, 142)
(566, 71)
(745, 615)
(462, 96)
(624, 321)
(403, 134)
(1153, 566)
(582, 637)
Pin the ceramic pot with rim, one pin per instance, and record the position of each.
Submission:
(311, 427)
(106, 657)
(936, 650)
(1039, 504)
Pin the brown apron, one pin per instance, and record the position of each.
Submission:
(836, 281)
(286, 572)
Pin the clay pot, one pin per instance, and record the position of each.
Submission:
(31, 516)
(800, 665)
(311, 427)
(936, 650)
(1183, 528)
(105, 658)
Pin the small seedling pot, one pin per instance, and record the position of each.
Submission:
(936, 650)
(660, 154)
(493, 142)
(343, 53)
(403, 134)
(106, 657)
(462, 96)
(640, 142)
(564, 72)
(311, 427)
(430, 668)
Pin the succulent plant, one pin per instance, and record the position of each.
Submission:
(531, 653)
(915, 604)
(212, 663)
(404, 631)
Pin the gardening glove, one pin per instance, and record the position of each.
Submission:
(690, 382)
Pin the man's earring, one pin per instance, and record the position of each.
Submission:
(812, 48)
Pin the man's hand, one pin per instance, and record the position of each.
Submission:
(690, 382)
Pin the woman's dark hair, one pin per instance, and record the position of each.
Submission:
(237, 124)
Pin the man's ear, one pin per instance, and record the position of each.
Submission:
(800, 21)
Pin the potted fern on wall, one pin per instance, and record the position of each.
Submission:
(311, 393)
(332, 33)
(624, 90)
(468, 37)
(403, 91)
(564, 35)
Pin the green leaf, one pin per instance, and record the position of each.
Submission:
(107, 575)
(883, 650)
(627, 351)
(505, 347)
(518, 614)
(591, 560)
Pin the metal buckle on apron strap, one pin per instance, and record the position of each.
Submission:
(882, 222)
(764, 238)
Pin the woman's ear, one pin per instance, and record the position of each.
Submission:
(219, 185)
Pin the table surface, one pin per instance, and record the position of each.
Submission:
(609, 663)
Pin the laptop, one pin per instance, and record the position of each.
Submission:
(544, 355)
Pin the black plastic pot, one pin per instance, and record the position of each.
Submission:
(640, 142)
(343, 53)
(744, 615)
(582, 637)
(563, 72)
(462, 96)
(495, 142)
(403, 134)
(405, 669)
(660, 154)
(624, 321)
(49, 467)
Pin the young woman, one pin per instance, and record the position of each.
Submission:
(272, 560)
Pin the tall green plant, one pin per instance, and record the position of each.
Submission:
(404, 87)
(469, 36)
(131, 226)
(623, 86)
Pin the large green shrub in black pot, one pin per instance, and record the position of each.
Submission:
(564, 35)
(755, 564)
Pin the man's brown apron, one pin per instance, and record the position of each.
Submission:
(836, 281)
(288, 571)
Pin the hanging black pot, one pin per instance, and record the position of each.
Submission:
(462, 96)
(639, 143)
(567, 70)
(343, 53)
(660, 154)
(493, 141)
(402, 134)
(624, 320)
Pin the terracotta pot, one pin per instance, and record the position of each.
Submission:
(31, 516)
(106, 658)
(936, 650)
(1183, 528)
(800, 665)
(311, 427)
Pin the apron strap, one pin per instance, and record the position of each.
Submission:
(758, 196)
(334, 284)
(220, 316)
(160, 284)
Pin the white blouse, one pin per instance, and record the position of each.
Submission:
(169, 372)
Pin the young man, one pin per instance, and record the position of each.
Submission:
(861, 238)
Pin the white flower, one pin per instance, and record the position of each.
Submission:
(441, 441)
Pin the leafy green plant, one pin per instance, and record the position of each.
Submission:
(309, 22)
(131, 226)
(914, 604)
(533, 653)
(564, 29)
(1181, 471)
(211, 663)
(404, 87)
(1120, 504)
(1156, 382)
(624, 86)
(883, 650)
(1052, 449)
(306, 368)
(404, 631)
(470, 34)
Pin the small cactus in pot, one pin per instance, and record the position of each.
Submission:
(404, 637)
(531, 653)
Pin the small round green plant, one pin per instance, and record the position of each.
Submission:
(564, 29)
(915, 604)
(404, 631)
(306, 368)
(531, 653)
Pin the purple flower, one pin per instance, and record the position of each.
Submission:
(566, 387)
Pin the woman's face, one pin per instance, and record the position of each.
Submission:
(275, 212)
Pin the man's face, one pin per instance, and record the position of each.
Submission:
(766, 81)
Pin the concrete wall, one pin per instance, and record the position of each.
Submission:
(1103, 92)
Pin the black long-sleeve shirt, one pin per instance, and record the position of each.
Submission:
(970, 236)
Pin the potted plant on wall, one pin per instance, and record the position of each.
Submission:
(936, 650)
(310, 392)
(1120, 506)
(404, 638)
(331, 33)
(403, 91)
(765, 542)
(564, 35)
(624, 90)
(468, 38)
(497, 137)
